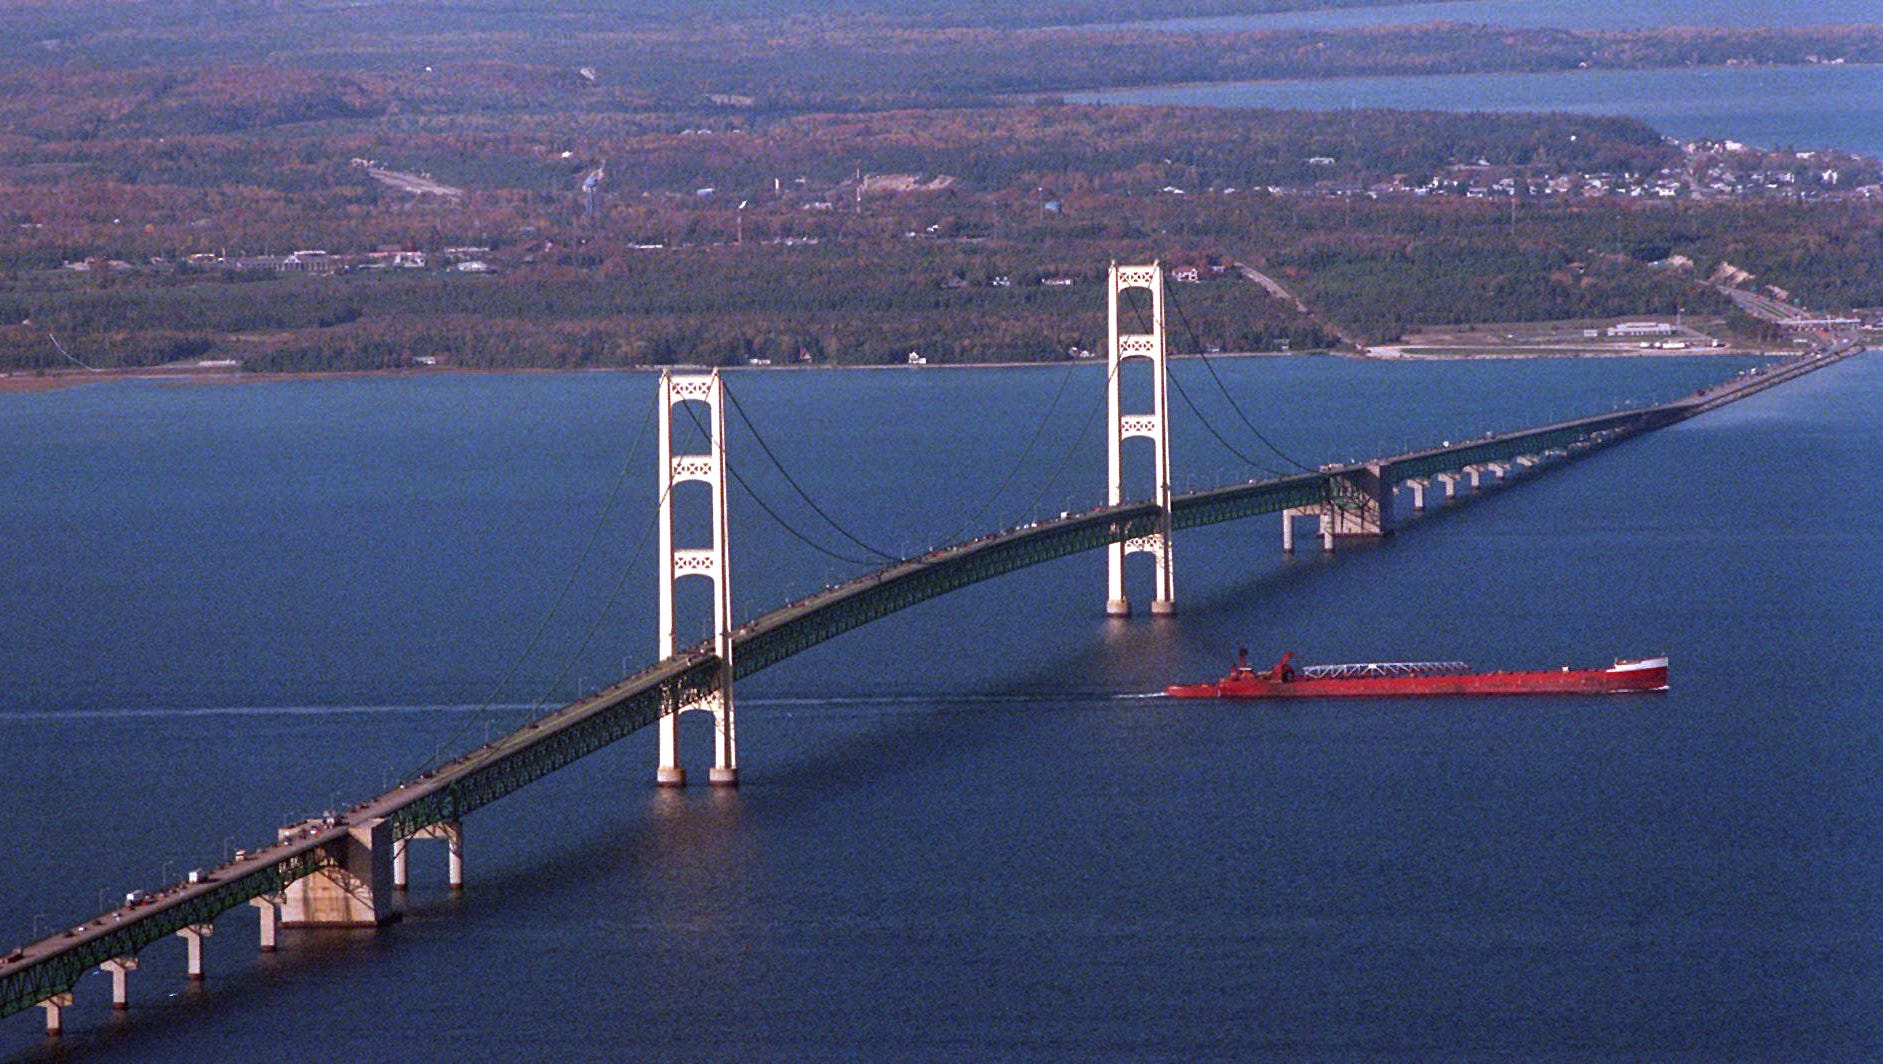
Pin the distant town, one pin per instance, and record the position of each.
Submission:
(795, 193)
(1709, 170)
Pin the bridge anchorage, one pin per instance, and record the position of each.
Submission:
(1150, 346)
(1358, 504)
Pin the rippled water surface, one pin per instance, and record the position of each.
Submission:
(963, 831)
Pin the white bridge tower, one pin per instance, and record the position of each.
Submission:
(710, 562)
(1153, 426)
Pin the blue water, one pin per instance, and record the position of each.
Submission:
(1818, 106)
(1550, 14)
(960, 832)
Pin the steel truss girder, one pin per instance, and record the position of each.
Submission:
(60, 973)
(563, 737)
(1601, 429)
(1354, 492)
(782, 633)
(480, 778)
(1247, 500)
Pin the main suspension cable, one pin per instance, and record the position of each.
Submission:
(68, 354)
(1211, 429)
(1233, 405)
(772, 513)
(1013, 469)
(1073, 448)
(542, 627)
(795, 486)
(614, 596)
(1195, 409)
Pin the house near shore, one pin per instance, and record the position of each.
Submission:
(1641, 328)
(312, 260)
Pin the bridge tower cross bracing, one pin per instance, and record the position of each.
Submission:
(1153, 426)
(708, 467)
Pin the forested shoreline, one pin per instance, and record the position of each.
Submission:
(840, 186)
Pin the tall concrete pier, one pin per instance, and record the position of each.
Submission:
(1152, 425)
(353, 888)
(711, 563)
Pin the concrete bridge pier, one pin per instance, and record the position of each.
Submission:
(55, 1007)
(725, 770)
(1362, 506)
(1450, 480)
(1499, 469)
(353, 888)
(120, 969)
(1418, 493)
(1324, 527)
(1477, 475)
(452, 832)
(193, 936)
(1356, 521)
(270, 912)
(668, 773)
(454, 852)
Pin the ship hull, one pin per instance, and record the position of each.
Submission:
(1625, 677)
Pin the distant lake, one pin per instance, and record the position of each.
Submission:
(1802, 107)
(1551, 14)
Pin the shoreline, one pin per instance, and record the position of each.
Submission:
(1065, 96)
(1395, 353)
(26, 383)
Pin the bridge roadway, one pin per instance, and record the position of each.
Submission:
(40, 972)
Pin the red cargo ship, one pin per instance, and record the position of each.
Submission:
(1392, 679)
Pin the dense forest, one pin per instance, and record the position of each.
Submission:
(787, 181)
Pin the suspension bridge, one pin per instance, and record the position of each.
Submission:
(349, 867)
